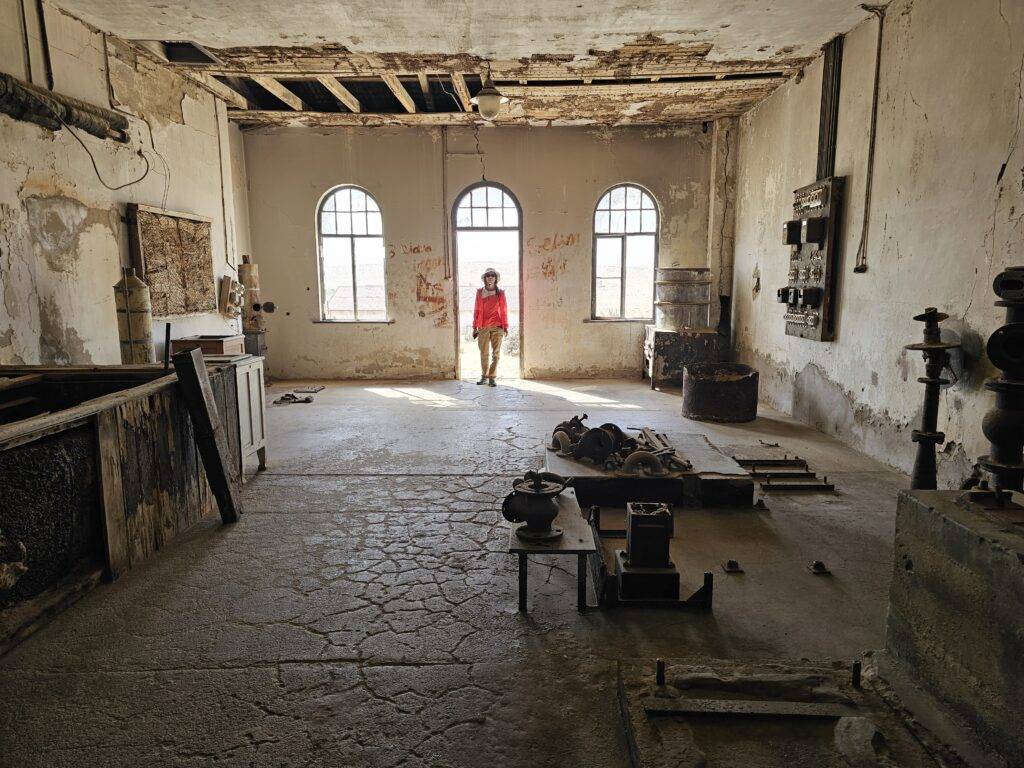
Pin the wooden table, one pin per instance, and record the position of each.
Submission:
(576, 539)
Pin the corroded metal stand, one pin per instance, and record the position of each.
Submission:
(936, 358)
(1004, 424)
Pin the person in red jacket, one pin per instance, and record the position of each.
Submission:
(490, 325)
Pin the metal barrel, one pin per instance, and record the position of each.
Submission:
(682, 298)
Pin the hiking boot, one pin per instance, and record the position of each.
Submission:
(490, 383)
(483, 380)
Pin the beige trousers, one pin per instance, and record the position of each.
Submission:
(489, 340)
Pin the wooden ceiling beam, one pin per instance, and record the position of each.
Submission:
(274, 87)
(398, 89)
(222, 91)
(425, 87)
(340, 92)
(459, 81)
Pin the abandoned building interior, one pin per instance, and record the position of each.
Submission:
(443, 385)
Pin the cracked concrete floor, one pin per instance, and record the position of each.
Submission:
(363, 612)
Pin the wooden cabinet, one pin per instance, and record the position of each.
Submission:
(252, 431)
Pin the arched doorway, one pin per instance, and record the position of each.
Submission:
(488, 227)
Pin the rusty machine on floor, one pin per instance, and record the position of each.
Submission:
(812, 233)
(648, 453)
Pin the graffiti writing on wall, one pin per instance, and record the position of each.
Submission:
(537, 246)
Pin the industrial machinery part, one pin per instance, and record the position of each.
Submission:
(532, 502)
(1004, 424)
(567, 433)
(134, 318)
(648, 530)
(649, 453)
(810, 293)
(682, 299)
(24, 101)
(784, 474)
(595, 444)
(936, 359)
(722, 392)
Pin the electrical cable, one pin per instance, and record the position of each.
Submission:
(92, 159)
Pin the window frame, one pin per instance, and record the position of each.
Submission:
(622, 236)
(320, 235)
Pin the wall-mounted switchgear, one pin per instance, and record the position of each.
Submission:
(813, 237)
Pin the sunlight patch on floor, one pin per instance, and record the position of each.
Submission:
(415, 395)
(570, 395)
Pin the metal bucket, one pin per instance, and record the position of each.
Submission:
(724, 392)
(682, 299)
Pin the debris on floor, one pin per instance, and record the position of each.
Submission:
(310, 390)
(290, 397)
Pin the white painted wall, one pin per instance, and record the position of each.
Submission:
(557, 174)
(943, 223)
(62, 236)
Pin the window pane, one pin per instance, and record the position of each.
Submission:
(607, 297)
(336, 253)
(605, 202)
(479, 217)
(329, 203)
(648, 221)
(371, 204)
(494, 196)
(358, 200)
(632, 221)
(369, 255)
(648, 203)
(344, 223)
(618, 222)
(494, 217)
(343, 200)
(373, 224)
(618, 197)
(359, 223)
(479, 197)
(632, 197)
(463, 217)
(639, 276)
(327, 224)
(511, 217)
(601, 221)
(608, 257)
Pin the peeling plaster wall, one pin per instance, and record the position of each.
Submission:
(945, 219)
(557, 174)
(62, 236)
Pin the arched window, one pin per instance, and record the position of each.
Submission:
(351, 239)
(625, 253)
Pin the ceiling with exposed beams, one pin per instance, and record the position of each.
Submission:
(370, 62)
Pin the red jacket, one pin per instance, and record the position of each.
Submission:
(490, 311)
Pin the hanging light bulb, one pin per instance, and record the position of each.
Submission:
(488, 99)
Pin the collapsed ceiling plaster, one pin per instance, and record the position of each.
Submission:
(617, 62)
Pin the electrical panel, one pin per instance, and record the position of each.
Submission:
(813, 236)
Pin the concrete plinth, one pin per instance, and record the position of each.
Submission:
(956, 612)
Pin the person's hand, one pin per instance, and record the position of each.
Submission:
(475, 333)
(505, 331)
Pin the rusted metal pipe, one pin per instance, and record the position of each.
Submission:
(24, 101)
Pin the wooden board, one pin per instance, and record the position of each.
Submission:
(173, 253)
(211, 433)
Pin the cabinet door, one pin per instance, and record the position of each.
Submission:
(245, 420)
(256, 404)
